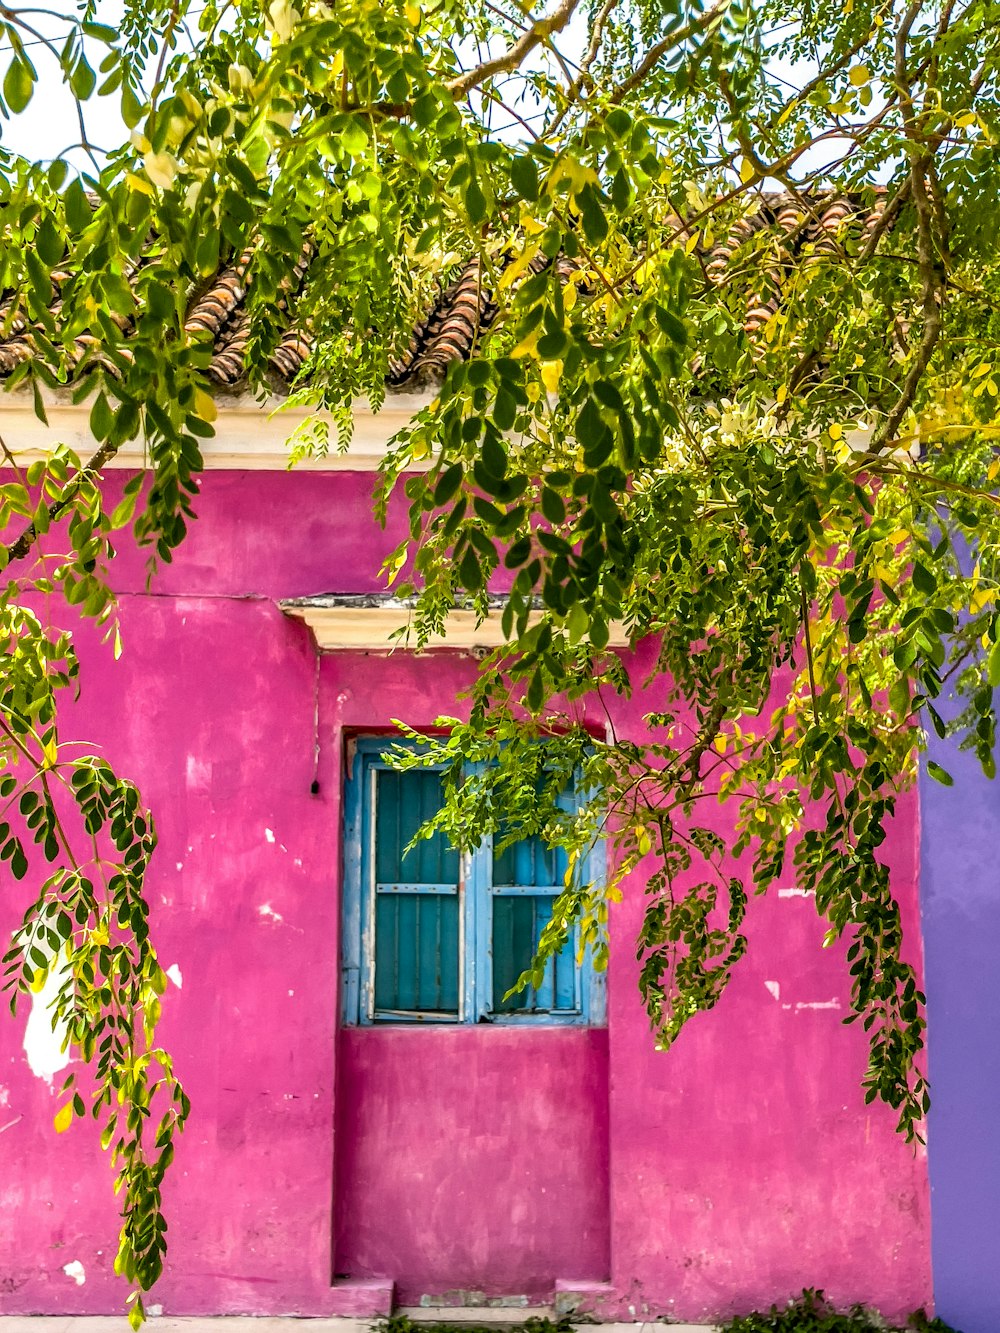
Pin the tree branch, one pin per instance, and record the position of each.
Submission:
(21, 545)
(656, 53)
(539, 32)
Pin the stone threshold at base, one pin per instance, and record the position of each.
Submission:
(296, 1324)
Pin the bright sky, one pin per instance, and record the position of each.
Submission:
(50, 123)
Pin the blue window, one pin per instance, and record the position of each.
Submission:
(435, 936)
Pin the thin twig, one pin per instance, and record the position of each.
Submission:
(807, 639)
(583, 77)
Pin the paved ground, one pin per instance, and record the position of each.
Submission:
(248, 1324)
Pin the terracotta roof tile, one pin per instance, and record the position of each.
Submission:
(790, 231)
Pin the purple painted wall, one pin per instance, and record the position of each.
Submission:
(960, 879)
(724, 1175)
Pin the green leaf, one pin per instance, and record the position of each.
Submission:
(49, 243)
(475, 203)
(899, 696)
(599, 634)
(589, 424)
(132, 108)
(518, 553)
(354, 138)
(535, 692)
(469, 570)
(448, 483)
(101, 32)
(57, 173)
(671, 326)
(993, 665)
(124, 509)
(904, 654)
(923, 580)
(504, 411)
(939, 774)
(494, 456)
(207, 253)
(524, 178)
(82, 79)
(552, 346)
(78, 211)
(577, 623)
(595, 224)
(18, 84)
(101, 418)
(552, 505)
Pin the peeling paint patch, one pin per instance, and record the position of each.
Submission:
(174, 973)
(4, 1096)
(269, 834)
(266, 910)
(819, 1004)
(43, 1046)
(773, 988)
(75, 1270)
(796, 893)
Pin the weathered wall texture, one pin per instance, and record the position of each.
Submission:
(726, 1174)
(509, 1189)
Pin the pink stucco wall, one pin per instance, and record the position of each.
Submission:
(723, 1175)
(509, 1190)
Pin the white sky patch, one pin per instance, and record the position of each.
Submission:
(75, 1270)
(42, 1046)
(174, 973)
(267, 911)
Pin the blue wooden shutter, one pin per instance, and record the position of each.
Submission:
(417, 927)
(527, 877)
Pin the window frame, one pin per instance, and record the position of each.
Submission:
(475, 916)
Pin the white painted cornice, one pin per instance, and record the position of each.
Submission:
(249, 435)
(367, 623)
